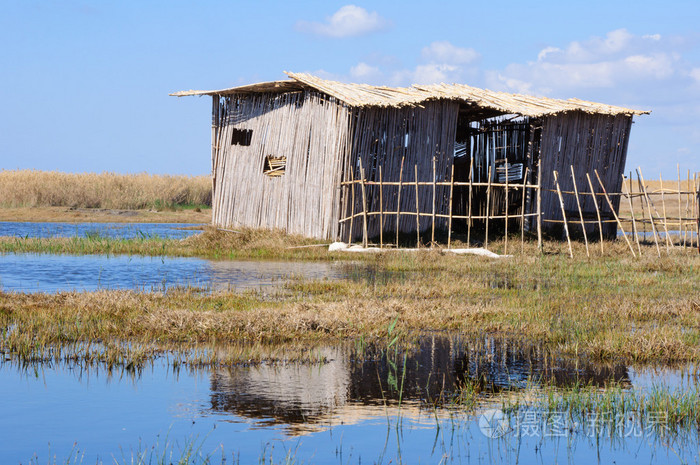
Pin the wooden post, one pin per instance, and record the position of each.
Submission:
(580, 211)
(612, 209)
(449, 223)
(415, 167)
(634, 221)
(381, 210)
(398, 203)
(469, 220)
(697, 210)
(680, 208)
(597, 212)
(352, 203)
(432, 233)
(522, 212)
(488, 209)
(563, 213)
(505, 250)
(650, 204)
(651, 216)
(688, 212)
(636, 228)
(539, 205)
(663, 209)
(364, 205)
(641, 202)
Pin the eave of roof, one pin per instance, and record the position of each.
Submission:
(365, 95)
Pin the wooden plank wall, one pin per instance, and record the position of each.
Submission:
(386, 136)
(308, 128)
(588, 142)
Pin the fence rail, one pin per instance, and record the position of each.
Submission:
(643, 211)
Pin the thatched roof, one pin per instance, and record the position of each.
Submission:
(365, 95)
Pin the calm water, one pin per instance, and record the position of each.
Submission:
(110, 230)
(53, 273)
(344, 411)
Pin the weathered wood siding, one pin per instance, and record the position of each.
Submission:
(310, 130)
(588, 142)
(386, 136)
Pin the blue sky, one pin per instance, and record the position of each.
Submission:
(85, 85)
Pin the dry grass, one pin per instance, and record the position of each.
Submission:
(608, 308)
(32, 188)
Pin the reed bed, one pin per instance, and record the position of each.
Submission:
(33, 188)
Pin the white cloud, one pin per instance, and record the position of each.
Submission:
(433, 73)
(348, 21)
(546, 51)
(618, 60)
(443, 52)
(365, 73)
(441, 61)
(695, 74)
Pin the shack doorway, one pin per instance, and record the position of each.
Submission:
(493, 151)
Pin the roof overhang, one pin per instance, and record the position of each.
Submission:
(365, 95)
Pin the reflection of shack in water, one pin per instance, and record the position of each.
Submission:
(350, 387)
(496, 365)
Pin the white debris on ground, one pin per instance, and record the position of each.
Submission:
(343, 247)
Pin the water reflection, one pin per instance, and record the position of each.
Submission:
(344, 411)
(350, 384)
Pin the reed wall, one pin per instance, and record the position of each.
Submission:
(310, 131)
(589, 143)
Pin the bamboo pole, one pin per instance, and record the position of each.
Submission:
(651, 216)
(680, 208)
(563, 213)
(469, 214)
(488, 209)
(580, 211)
(597, 212)
(449, 223)
(688, 212)
(364, 205)
(505, 251)
(415, 170)
(612, 209)
(381, 210)
(663, 209)
(432, 233)
(697, 210)
(634, 221)
(539, 205)
(398, 203)
(641, 202)
(650, 205)
(522, 213)
(352, 203)
(630, 189)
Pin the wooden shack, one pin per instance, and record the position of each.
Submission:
(341, 161)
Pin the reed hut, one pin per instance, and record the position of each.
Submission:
(340, 161)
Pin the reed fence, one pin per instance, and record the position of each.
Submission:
(649, 212)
